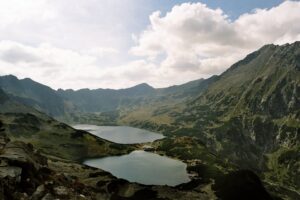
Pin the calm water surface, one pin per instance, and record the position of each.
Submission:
(143, 167)
(120, 134)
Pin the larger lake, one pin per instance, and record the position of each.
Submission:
(120, 134)
(143, 167)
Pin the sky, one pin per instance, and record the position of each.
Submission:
(122, 43)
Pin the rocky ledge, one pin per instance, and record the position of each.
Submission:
(25, 174)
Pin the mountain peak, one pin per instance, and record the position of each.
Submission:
(143, 85)
(266, 52)
(142, 88)
(10, 77)
(273, 46)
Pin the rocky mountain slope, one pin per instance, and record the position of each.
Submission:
(252, 113)
(249, 115)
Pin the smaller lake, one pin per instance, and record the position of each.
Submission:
(143, 167)
(120, 134)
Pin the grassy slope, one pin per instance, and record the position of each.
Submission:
(57, 139)
(50, 136)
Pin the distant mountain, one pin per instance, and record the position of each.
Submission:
(101, 100)
(189, 89)
(8, 105)
(34, 94)
(61, 102)
(104, 100)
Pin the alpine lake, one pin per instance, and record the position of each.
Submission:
(138, 166)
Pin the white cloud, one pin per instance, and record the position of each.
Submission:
(67, 44)
(64, 68)
(67, 24)
(101, 52)
(45, 63)
(16, 11)
(202, 40)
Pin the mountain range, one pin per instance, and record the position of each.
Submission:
(249, 116)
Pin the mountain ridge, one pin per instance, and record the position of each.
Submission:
(33, 94)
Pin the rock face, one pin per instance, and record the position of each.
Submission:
(3, 138)
(24, 174)
(21, 168)
(21, 154)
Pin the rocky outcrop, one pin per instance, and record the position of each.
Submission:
(24, 174)
(21, 169)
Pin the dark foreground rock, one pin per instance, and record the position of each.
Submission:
(242, 184)
(24, 174)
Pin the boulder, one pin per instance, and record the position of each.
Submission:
(48, 196)
(21, 170)
(3, 139)
(10, 171)
(61, 191)
(39, 192)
